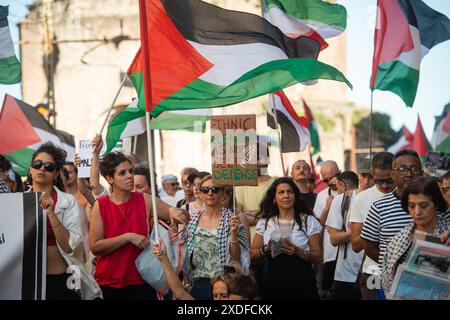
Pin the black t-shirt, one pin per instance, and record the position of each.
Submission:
(309, 198)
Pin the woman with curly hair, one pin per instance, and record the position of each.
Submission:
(63, 222)
(290, 274)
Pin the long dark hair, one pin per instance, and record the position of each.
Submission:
(59, 156)
(268, 208)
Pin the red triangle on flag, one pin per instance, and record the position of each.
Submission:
(168, 60)
(420, 140)
(16, 132)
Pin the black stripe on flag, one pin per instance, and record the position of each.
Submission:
(434, 27)
(36, 119)
(207, 24)
(3, 16)
(29, 247)
(290, 141)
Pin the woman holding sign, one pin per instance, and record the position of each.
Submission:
(63, 223)
(289, 275)
(119, 230)
(214, 238)
(423, 200)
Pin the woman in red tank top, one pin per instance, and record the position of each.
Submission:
(119, 232)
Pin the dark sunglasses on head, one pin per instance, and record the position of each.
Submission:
(48, 166)
(205, 190)
(384, 181)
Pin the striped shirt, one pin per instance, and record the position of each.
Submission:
(386, 218)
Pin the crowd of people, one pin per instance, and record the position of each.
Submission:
(277, 240)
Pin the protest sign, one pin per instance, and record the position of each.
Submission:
(85, 153)
(23, 247)
(234, 150)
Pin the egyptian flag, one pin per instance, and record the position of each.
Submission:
(294, 129)
(23, 129)
(22, 247)
(403, 139)
(195, 55)
(405, 31)
(441, 135)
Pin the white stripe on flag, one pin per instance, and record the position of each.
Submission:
(6, 44)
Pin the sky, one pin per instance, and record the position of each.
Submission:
(434, 86)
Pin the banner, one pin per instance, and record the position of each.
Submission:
(234, 150)
(23, 256)
(85, 153)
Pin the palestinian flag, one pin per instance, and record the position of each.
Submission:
(421, 144)
(441, 135)
(406, 30)
(23, 130)
(312, 126)
(312, 18)
(402, 140)
(195, 55)
(10, 71)
(131, 122)
(294, 129)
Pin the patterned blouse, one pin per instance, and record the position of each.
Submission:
(205, 258)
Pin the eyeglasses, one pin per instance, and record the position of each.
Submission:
(174, 184)
(384, 181)
(215, 190)
(48, 166)
(404, 170)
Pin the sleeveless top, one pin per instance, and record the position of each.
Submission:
(51, 239)
(117, 269)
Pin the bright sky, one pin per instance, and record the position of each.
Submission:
(434, 87)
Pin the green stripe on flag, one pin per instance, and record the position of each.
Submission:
(10, 71)
(179, 121)
(397, 77)
(267, 78)
(21, 160)
(444, 146)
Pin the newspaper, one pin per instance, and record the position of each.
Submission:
(425, 275)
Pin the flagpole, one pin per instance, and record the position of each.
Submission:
(152, 175)
(112, 104)
(278, 131)
(370, 124)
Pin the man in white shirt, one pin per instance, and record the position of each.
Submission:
(348, 261)
(328, 172)
(171, 193)
(381, 170)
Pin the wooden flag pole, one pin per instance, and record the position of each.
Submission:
(152, 175)
(112, 104)
(278, 131)
(370, 125)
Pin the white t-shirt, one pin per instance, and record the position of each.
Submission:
(346, 269)
(299, 237)
(329, 252)
(359, 209)
(173, 200)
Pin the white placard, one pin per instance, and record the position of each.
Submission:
(85, 153)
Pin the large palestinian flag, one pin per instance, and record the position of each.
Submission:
(10, 71)
(23, 130)
(195, 55)
(406, 30)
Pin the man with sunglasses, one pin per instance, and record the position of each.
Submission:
(328, 171)
(171, 193)
(381, 171)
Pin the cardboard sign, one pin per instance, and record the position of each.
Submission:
(85, 153)
(234, 150)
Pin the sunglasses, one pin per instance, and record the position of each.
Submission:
(327, 180)
(384, 181)
(48, 166)
(215, 190)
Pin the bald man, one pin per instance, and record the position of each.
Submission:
(329, 171)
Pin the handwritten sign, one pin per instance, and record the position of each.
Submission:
(85, 152)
